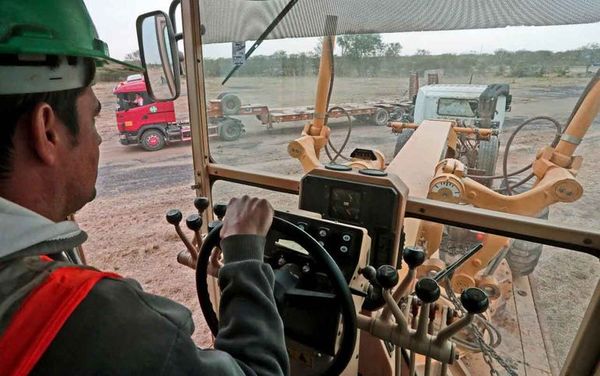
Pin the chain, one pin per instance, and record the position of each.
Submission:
(487, 351)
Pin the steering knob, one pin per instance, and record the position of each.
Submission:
(174, 216)
(201, 203)
(427, 290)
(219, 210)
(387, 276)
(474, 300)
(370, 273)
(194, 222)
(413, 256)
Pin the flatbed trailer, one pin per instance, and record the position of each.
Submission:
(378, 113)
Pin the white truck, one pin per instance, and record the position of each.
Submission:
(479, 106)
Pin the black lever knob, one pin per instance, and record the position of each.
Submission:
(219, 210)
(201, 203)
(427, 290)
(474, 300)
(387, 276)
(413, 256)
(370, 273)
(212, 225)
(174, 216)
(194, 222)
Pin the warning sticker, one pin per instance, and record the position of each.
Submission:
(238, 52)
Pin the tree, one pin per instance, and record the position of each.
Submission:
(422, 52)
(133, 56)
(361, 45)
(590, 55)
(393, 49)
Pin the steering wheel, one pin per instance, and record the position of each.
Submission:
(320, 255)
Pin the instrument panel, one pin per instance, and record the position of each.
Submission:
(374, 201)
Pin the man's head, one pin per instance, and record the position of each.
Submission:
(48, 142)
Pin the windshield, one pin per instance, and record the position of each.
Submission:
(272, 97)
(457, 107)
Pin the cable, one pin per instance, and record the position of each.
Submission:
(508, 187)
(338, 153)
(505, 174)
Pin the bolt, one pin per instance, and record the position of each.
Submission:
(343, 249)
(306, 268)
(281, 261)
(346, 237)
(322, 233)
(321, 243)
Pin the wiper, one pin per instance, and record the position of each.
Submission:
(263, 36)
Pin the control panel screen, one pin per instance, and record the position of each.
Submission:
(344, 204)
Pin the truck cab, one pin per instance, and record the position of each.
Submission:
(460, 101)
(140, 119)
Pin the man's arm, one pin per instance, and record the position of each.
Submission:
(119, 329)
(250, 328)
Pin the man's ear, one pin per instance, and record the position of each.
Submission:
(44, 130)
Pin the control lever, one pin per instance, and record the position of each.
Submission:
(201, 204)
(417, 338)
(219, 209)
(188, 258)
(194, 223)
(428, 291)
(374, 299)
(414, 257)
(474, 301)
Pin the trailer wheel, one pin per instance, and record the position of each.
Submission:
(152, 140)
(380, 117)
(231, 104)
(230, 129)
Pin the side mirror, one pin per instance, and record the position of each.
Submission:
(159, 55)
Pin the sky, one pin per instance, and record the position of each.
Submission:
(115, 22)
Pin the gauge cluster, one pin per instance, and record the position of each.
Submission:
(360, 198)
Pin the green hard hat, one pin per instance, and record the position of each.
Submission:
(30, 29)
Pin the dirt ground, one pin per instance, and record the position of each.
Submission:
(128, 233)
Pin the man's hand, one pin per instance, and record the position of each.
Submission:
(247, 216)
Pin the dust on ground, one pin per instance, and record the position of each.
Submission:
(128, 233)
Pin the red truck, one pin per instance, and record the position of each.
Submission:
(143, 121)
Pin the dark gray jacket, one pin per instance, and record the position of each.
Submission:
(120, 330)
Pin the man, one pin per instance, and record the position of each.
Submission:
(61, 318)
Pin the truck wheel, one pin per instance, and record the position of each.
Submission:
(230, 104)
(380, 117)
(152, 140)
(523, 256)
(230, 130)
(402, 139)
(487, 157)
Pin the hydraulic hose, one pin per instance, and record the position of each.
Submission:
(338, 153)
(505, 174)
